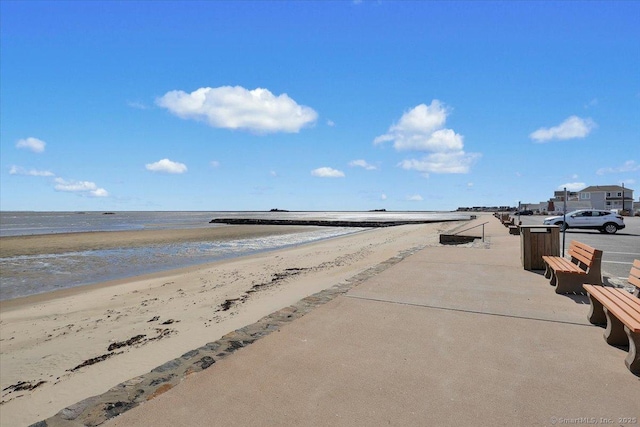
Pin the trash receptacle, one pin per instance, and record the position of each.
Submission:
(536, 241)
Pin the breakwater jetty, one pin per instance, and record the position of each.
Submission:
(327, 222)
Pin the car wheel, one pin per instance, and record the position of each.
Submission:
(562, 225)
(610, 228)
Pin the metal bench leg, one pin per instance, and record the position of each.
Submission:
(615, 334)
(633, 358)
(569, 283)
(596, 312)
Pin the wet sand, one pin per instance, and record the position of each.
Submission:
(59, 348)
(72, 242)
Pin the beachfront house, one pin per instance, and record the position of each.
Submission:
(607, 197)
(558, 196)
(557, 203)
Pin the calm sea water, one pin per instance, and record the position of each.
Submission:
(26, 223)
(28, 275)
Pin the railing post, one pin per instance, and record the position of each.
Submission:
(471, 228)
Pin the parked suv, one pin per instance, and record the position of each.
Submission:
(605, 221)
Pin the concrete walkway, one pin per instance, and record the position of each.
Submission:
(449, 336)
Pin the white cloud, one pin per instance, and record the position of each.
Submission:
(383, 196)
(85, 188)
(327, 172)
(572, 186)
(167, 166)
(454, 162)
(422, 129)
(628, 166)
(19, 170)
(438, 141)
(417, 129)
(363, 164)
(415, 198)
(215, 164)
(330, 123)
(273, 174)
(573, 127)
(235, 107)
(627, 182)
(33, 144)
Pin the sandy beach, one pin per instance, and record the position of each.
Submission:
(59, 348)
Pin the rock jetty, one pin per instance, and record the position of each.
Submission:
(323, 223)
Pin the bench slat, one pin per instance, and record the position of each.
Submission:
(582, 247)
(618, 295)
(629, 302)
(584, 253)
(563, 265)
(620, 303)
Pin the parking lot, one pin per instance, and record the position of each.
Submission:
(619, 250)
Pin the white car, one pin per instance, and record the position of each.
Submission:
(605, 221)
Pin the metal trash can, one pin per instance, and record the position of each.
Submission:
(536, 241)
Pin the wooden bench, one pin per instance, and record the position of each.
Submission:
(508, 222)
(619, 310)
(568, 274)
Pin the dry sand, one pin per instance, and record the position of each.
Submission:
(137, 324)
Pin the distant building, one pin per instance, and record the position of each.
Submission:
(558, 196)
(486, 209)
(557, 203)
(607, 197)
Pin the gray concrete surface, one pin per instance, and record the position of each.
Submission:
(450, 336)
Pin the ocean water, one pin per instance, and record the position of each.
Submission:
(26, 223)
(28, 275)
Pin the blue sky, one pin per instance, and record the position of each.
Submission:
(315, 105)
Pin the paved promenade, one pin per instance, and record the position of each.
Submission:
(449, 336)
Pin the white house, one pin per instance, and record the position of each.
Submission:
(607, 197)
